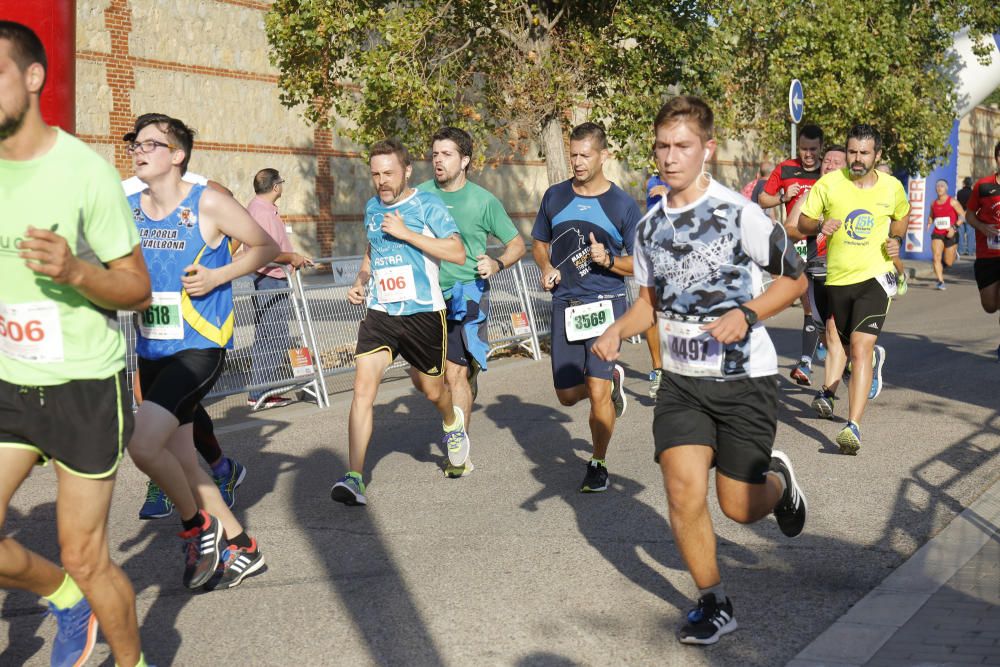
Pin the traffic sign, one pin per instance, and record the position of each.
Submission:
(796, 101)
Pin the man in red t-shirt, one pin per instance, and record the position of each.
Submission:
(983, 213)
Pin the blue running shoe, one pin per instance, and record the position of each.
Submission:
(821, 352)
(76, 636)
(157, 505)
(228, 483)
(349, 490)
(878, 360)
(849, 439)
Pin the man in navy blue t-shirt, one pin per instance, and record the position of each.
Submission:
(583, 245)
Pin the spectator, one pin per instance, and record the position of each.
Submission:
(271, 340)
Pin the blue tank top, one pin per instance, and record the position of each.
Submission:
(177, 321)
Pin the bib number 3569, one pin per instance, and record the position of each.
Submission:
(588, 320)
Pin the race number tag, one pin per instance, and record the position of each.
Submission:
(993, 241)
(395, 284)
(31, 332)
(942, 223)
(588, 320)
(162, 320)
(687, 350)
(888, 282)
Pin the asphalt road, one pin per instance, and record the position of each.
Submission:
(511, 565)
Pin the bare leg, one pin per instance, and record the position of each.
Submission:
(602, 415)
(154, 427)
(461, 393)
(368, 374)
(862, 345)
(685, 479)
(204, 490)
(836, 357)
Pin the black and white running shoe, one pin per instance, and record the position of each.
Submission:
(791, 508)
(708, 621)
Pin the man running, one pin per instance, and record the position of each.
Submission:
(863, 214)
(183, 337)
(834, 158)
(700, 260)
(466, 287)
(409, 232)
(69, 256)
(944, 217)
(983, 214)
(583, 246)
(789, 183)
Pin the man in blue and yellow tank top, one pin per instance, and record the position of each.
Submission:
(183, 337)
(409, 233)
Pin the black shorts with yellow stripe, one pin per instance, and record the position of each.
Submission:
(82, 425)
(420, 338)
(861, 307)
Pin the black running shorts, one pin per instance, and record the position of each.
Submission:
(736, 418)
(178, 383)
(987, 271)
(420, 338)
(83, 425)
(861, 307)
(948, 242)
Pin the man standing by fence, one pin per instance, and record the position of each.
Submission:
(271, 342)
(409, 232)
(466, 287)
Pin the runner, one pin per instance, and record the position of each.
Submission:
(183, 338)
(409, 232)
(790, 182)
(834, 158)
(983, 214)
(945, 217)
(63, 393)
(227, 473)
(863, 213)
(466, 287)
(583, 246)
(655, 190)
(701, 259)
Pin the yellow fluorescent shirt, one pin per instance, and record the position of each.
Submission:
(856, 251)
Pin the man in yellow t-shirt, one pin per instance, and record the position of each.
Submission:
(862, 212)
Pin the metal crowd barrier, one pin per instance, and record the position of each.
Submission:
(316, 339)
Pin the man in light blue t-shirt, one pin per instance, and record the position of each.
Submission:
(409, 233)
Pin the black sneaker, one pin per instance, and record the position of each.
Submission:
(618, 391)
(596, 479)
(708, 621)
(201, 550)
(236, 564)
(791, 508)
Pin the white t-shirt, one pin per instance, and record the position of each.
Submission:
(133, 185)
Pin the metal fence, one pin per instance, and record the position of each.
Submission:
(301, 337)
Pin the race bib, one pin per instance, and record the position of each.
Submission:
(993, 241)
(687, 350)
(395, 284)
(942, 223)
(31, 332)
(588, 320)
(802, 248)
(162, 320)
(888, 282)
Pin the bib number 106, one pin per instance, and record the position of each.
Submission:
(392, 283)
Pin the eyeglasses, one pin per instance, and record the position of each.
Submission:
(147, 146)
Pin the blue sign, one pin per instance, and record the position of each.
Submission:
(796, 101)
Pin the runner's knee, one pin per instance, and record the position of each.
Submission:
(83, 557)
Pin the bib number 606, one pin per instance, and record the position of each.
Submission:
(31, 330)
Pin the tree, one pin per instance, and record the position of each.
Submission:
(508, 71)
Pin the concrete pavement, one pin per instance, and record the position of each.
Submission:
(512, 566)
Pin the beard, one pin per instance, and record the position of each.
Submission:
(10, 123)
(860, 169)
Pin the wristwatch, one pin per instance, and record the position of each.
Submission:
(899, 239)
(500, 265)
(750, 315)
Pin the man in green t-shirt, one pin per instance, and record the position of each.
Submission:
(466, 287)
(70, 257)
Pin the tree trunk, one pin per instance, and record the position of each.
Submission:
(554, 145)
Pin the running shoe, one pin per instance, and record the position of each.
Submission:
(456, 441)
(596, 479)
(618, 391)
(454, 472)
(790, 511)
(228, 483)
(237, 564)
(801, 374)
(849, 439)
(349, 490)
(902, 286)
(823, 403)
(655, 378)
(473, 374)
(940, 286)
(820, 352)
(201, 550)
(269, 402)
(708, 621)
(76, 634)
(878, 361)
(846, 375)
(157, 504)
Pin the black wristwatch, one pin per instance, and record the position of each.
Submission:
(500, 265)
(899, 239)
(750, 315)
